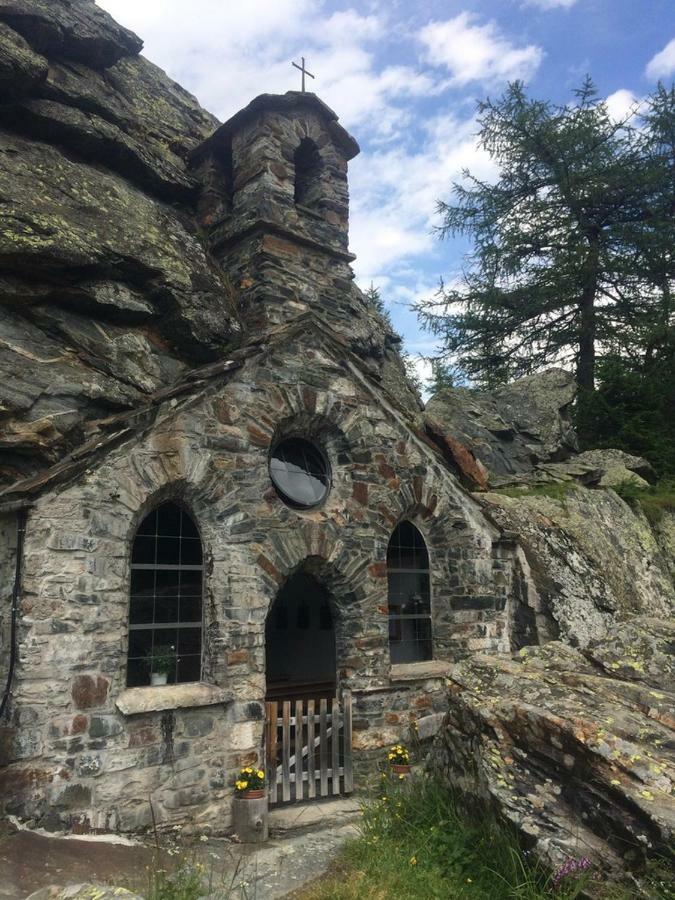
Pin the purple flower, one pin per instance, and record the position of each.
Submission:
(571, 867)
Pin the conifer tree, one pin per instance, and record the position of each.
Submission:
(572, 247)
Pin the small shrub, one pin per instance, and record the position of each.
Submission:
(184, 882)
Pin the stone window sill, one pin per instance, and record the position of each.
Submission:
(170, 696)
(418, 671)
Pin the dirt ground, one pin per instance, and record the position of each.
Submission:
(301, 851)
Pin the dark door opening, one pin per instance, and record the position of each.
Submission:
(300, 642)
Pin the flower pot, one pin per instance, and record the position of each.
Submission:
(257, 794)
(400, 769)
(158, 678)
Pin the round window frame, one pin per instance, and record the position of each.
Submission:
(283, 496)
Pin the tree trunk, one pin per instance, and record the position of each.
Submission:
(587, 321)
(586, 359)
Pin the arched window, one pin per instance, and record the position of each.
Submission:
(165, 608)
(409, 596)
(308, 167)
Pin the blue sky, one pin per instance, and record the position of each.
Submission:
(404, 78)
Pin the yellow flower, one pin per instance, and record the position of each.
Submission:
(413, 860)
(260, 773)
(469, 880)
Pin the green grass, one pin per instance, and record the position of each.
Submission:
(416, 844)
(654, 500)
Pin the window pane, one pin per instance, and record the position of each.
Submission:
(190, 552)
(137, 673)
(410, 636)
(166, 609)
(142, 582)
(189, 641)
(299, 472)
(407, 549)
(410, 640)
(167, 582)
(140, 643)
(188, 529)
(190, 609)
(189, 668)
(149, 524)
(169, 519)
(168, 551)
(165, 595)
(144, 550)
(141, 610)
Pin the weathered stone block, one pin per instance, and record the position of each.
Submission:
(89, 691)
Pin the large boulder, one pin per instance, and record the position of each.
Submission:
(586, 559)
(575, 748)
(513, 427)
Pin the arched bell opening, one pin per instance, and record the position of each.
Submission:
(308, 168)
(300, 646)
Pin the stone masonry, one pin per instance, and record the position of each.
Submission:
(79, 745)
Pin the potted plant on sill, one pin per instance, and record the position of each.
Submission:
(399, 760)
(250, 784)
(161, 660)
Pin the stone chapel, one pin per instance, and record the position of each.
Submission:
(270, 525)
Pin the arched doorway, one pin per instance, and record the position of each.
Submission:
(300, 651)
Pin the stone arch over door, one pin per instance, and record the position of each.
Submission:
(354, 586)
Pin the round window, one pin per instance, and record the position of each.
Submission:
(300, 472)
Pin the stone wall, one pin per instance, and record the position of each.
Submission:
(69, 747)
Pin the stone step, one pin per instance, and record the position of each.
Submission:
(295, 817)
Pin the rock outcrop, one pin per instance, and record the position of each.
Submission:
(575, 748)
(586, 560)
(108, 288)
(512, 428)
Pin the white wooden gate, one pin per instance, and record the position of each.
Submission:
(308, 748)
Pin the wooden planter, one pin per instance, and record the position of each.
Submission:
(399, 769)
(249, 816)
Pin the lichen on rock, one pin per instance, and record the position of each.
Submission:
(574, 748)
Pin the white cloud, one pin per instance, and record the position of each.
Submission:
(226, 54)
(663, 63)
(550, 4)
(620, 104)
(395, 190)
(474, 52)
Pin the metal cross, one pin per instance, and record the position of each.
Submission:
(304, 72)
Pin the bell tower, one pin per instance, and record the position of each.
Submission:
(275, 203)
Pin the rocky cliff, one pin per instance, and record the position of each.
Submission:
(586, 557)
(570, 738)
(574, 748)
(107, 286)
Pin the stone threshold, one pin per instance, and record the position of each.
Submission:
(314, 814)
(155, 698)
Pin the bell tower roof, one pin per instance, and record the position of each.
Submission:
(292, 104)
